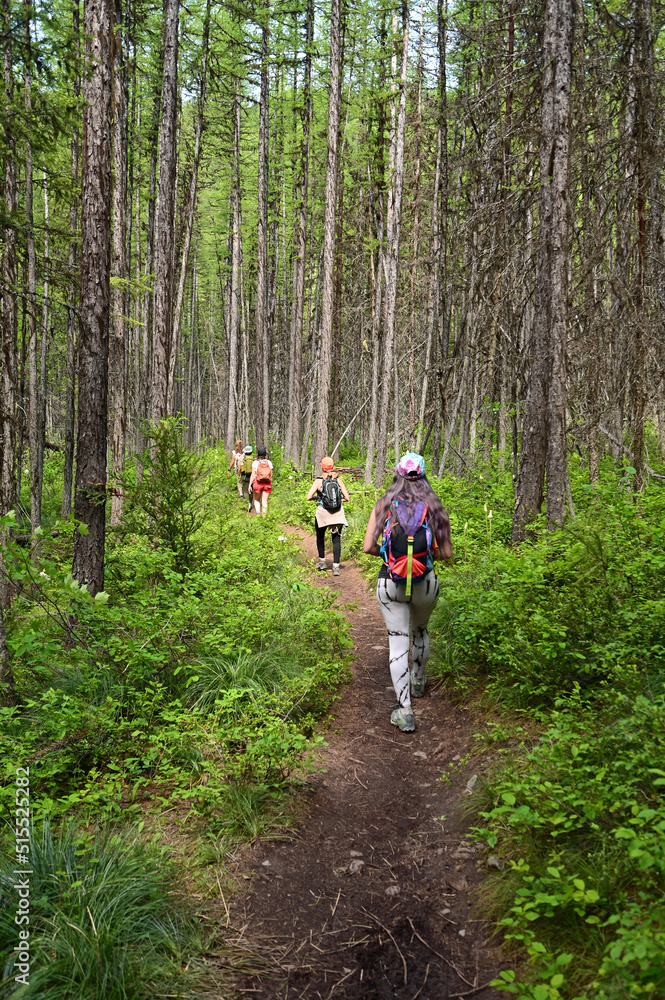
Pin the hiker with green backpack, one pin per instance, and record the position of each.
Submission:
(328, 490)
(409, 529)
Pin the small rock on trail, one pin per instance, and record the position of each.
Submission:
(395, 921)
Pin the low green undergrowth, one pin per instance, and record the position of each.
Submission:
(191, 691)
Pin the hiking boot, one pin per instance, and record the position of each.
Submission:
(335, 569)
(321, 564)
(403, 719)
(418, 687)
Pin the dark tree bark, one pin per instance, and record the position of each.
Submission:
(118, 321)
(90, 494)
(642, 146)
(327, 304)
(293, 426)
(7, 690)
(163, 304)
(393, 226)
(262, 304)
(34, 431)
(9, 358)
(68, 474)
(191, 203)
(543, 435)
(149, 298)
(235, 309)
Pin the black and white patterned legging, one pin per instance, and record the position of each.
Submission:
(407, 617)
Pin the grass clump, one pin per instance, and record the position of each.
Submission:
(102, 924)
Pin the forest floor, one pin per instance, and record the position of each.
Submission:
(376, 894)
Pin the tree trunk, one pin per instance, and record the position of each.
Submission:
(432, 296)
(235, 311)
(262, 304)
(191, 202)
(164, 237)
(642, 71)
(327, 295)
(118, 272)
(90, 496)
(376, 347)
(44, 345)
(7, 691)
(9, 358)
(543, 435)
(393, 220)
(293, 428)
(149, 298)
(70, 406)
(31, 301)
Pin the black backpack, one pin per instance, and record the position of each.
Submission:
(331, 495)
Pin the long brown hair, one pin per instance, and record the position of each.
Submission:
(413, 491)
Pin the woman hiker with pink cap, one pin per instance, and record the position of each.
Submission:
(408, 529)
(329, 491)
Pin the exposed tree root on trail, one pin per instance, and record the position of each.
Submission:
(371, 898)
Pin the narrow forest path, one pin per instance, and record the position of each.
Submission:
(371, 897)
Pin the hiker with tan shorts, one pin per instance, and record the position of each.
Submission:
(236, 459)
(328, 490)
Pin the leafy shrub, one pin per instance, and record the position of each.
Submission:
(581, 819)
(169, 503)
(570, 631)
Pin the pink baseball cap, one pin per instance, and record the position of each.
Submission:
(327, 464)
(411, 466)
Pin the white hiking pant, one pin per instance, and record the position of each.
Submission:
(407, 617)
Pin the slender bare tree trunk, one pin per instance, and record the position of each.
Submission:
(313, 329)
(7, 690)
(118, 382)
(44, 344)
(235, 311)
(376, 327)
(455, 414)
(31, 301)
(139, 300)
(327, 295)
(90, 496)
(149, 298)
(191, 202)
(9, 358)
(432, 287)
(72, 323)
(414, 312)
(393, 221)
(643, 114)
(543, 435)
(164, 237)
(293, 426)
(244, 336)
(262, 296)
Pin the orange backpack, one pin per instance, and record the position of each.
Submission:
(263, 471)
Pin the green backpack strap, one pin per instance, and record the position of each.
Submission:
(409, 565)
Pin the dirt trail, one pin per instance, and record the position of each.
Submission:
(371, 898)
